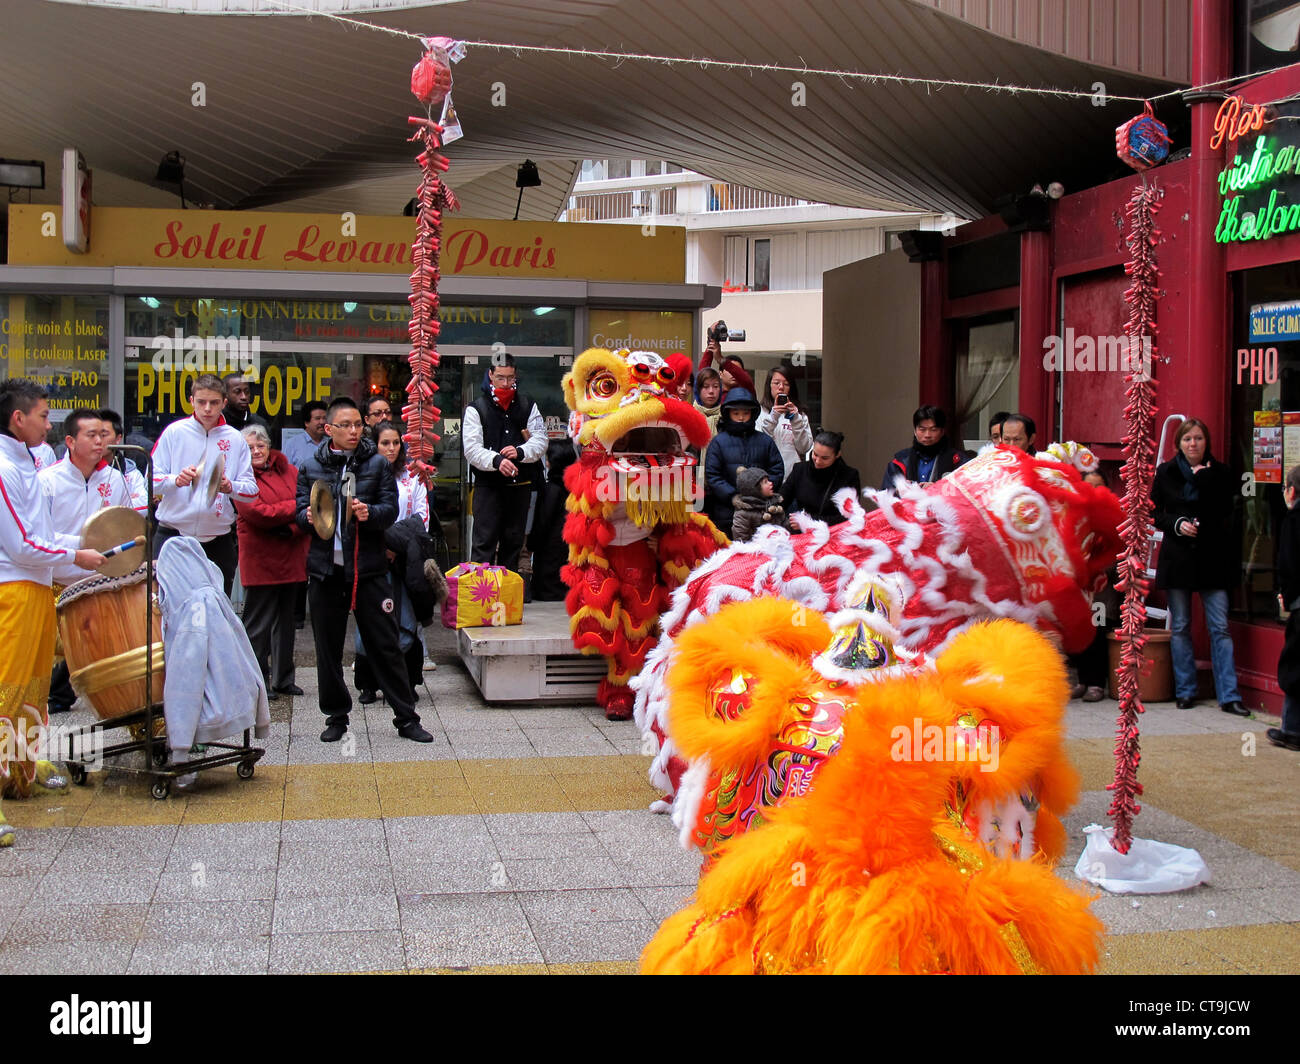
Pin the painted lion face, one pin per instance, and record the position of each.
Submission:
(621, 402)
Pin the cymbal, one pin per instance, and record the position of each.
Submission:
(110, 527)
(321, 507)
(209, 482)
(348, 492)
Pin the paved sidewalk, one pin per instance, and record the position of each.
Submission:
(520, 840)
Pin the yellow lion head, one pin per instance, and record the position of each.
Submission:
(622, 401)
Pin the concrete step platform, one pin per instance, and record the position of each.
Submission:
(531, 662)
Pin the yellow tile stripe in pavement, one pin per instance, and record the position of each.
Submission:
(1217, 782)
(365, 790)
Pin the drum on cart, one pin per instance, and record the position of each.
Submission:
(102, 622)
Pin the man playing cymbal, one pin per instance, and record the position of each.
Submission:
(185, 453)
(348, 572)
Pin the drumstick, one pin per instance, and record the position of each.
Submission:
(137, 542)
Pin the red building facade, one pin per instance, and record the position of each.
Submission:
(1227, 349)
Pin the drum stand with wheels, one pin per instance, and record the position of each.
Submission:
(147, 722)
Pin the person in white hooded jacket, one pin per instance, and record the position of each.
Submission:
(184, 452)
(784, 420)
(30, 550)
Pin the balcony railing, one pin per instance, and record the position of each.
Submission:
(620, 206)
(724, 196)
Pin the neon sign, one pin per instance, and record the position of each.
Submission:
(1230, 123)
(1270, 166)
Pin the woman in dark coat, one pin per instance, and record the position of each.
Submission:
(1193, 495)
(1288, 575)
(272, 561)
(812, 484)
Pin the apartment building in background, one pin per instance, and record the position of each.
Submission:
(766, 250)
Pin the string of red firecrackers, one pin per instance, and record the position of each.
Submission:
(431, 83)
(1141, 143)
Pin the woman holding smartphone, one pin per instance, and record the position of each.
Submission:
(784, 419)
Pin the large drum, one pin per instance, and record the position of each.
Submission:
(102, 626)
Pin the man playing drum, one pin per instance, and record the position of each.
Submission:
(186, 452)
(30, 550)
(79, 485)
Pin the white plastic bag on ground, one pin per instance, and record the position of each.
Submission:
(1148, 868)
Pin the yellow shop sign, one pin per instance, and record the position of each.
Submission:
(256, 240)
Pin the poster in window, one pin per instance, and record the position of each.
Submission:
(1268, 447)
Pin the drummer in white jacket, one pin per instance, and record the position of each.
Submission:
(184, 453)
(784, 420)
(76, 488)
(30, 549)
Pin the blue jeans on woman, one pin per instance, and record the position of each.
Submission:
(1215, 604)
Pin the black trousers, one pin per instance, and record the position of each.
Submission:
(364, 676)
(500, 517)
(329, 599)
(62, 696)
(1093, 663)
(223, 552)
(268, 620)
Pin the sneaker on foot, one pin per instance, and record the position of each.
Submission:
(1077, 692)
(367, 698)
(333, 733)
(415, 733)
(430, 665)
(1093, 694)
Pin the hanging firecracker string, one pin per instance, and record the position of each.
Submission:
(1139, 470)
(431, 83)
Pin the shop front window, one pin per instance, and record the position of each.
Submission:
(297, 351)
(988, 374)
(1264, 385)
(61, 342)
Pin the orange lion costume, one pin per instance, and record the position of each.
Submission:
(632, 529)
(924, 845)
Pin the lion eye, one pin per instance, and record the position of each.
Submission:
(602, 387)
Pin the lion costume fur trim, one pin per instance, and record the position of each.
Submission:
(867, 873)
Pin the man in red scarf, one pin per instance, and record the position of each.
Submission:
(504, 438)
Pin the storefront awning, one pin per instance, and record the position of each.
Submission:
(304, 113)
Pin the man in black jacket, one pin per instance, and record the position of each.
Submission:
(931, 456)
(349, 573)
(504, 437)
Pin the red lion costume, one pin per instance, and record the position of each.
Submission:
(1007, 535)
(632, 531)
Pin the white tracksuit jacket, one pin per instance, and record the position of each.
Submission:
(30, 549)
(186, 443)
(72, 498)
